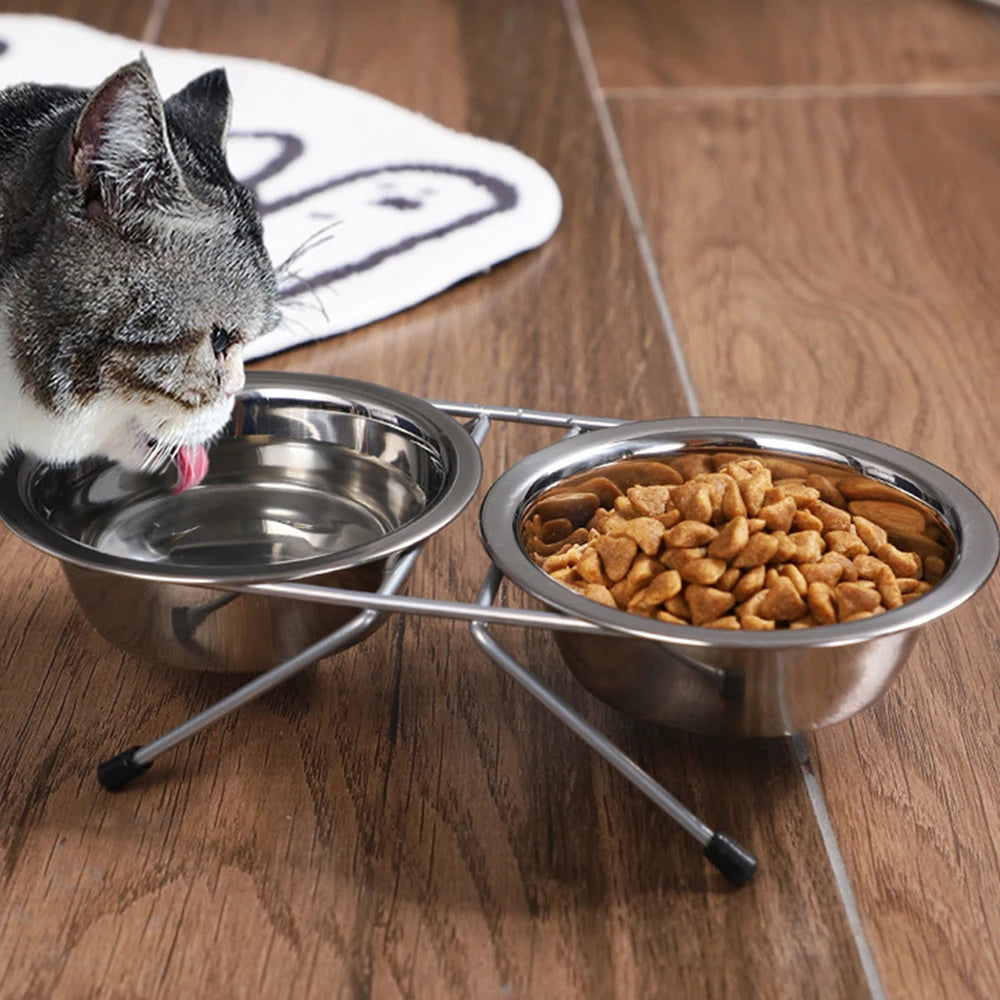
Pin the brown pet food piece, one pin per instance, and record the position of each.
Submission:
(601, 594)
(617, 553)
(647, 532)
(650, 500)
(707, 603)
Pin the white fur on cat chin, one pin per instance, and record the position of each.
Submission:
(104, 427)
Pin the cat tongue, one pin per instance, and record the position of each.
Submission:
(192, 466)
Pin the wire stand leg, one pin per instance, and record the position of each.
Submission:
(733, 860)
(116, 772)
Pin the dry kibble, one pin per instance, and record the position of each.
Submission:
(901, 563)
(833, 518)
(821, 603)
(670, 518)
(777, 516)
(797, 492)
(666, 616)
(731, 539)
(703, 571)
(822, 572)
(760, 549)
(933, 568)
(665, 586)
(852, 598)
(678, 605)
(647, 533)
(679, 558)
(848, 571)
(589, 567)
(623, 506)
(805, 520)
(689, 535)
(753, 489)
(869, 532)
(707, 603)
(828, 493)
(726, 622)
(846, 543)
(567, 574)
(617, 553)
(649, 500)
(782, 602)
(786, 547)
(601, 594)
(729, 542)
(694, 501)
(560, 560)
(643, 570)
(749, 583)
(808, 546)
(918, 591)
(888, 588)
(733, 504)
(795, 575)
(808, 622)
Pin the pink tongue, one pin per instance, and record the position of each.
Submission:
(192, 466)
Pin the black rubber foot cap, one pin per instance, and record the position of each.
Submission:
(116, 772)
(734, 861)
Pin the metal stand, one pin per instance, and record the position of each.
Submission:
(733, 860)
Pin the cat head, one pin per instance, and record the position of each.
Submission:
(135, 278)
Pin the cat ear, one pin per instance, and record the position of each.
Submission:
(206, 102)
(120, 153)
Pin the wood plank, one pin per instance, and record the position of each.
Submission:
(404, 821)
(832, 262)
(124, 17)
(649, 43)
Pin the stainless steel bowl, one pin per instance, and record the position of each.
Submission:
(739, 683)
(315, 477)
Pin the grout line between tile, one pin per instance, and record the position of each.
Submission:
(805, 92)
(578, 32)
(813, 787)
(840, 876)
(154, 21)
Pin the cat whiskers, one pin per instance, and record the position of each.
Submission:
(161, 451)
(285, 268)
(313, 240)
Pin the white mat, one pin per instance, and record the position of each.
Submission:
(414, 207)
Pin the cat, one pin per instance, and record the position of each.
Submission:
(132, 272)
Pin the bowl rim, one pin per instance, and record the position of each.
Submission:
(967, 516)
(458, 451)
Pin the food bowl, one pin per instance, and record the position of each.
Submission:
(734, 682)
(317, 478)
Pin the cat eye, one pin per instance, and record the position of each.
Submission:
(222, 340)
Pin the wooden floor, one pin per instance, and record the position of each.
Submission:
(788, 209)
